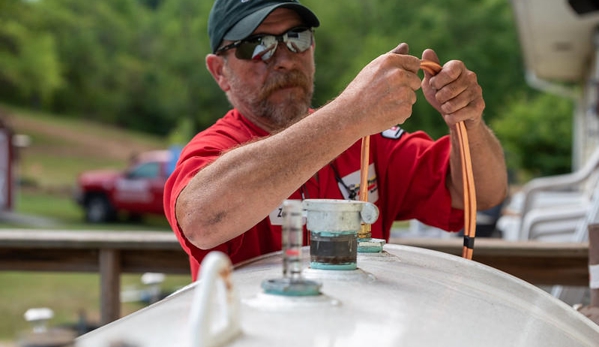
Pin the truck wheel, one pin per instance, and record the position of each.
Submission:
(98, 210)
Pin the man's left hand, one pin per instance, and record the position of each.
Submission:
(454, 91)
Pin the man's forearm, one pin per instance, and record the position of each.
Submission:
(244, 185)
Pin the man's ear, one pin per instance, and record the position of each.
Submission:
(215, 65)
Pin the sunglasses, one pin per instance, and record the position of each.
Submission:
(263, 47)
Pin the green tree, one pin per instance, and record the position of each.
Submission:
(536, 132)
(29, 64)
(95, 43)
(193, 96)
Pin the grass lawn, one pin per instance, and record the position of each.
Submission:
(67, 294)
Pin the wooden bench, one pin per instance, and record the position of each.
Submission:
(112, 253)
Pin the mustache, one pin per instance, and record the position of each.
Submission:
(278, 81)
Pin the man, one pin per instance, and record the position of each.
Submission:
(231, 178)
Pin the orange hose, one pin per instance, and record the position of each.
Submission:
(365, 230)
(467, 175)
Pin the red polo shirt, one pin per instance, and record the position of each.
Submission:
(407, 180)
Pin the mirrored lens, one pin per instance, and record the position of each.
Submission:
(298, 41)
(263, 47)
(255, 49)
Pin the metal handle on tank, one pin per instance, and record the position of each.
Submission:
(215, 267)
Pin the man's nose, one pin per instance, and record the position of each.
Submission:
(283, 57)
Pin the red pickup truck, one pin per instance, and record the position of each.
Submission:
(138, 190)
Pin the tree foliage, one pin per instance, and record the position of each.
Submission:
(29, 61)
(140, 63)
(537, 134)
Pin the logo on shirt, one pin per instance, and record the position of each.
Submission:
(350, 185)
(393, 133)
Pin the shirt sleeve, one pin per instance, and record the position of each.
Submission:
(195, 156)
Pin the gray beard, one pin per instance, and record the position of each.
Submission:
(284, 114)
(278, 115)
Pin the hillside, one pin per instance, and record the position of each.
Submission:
(60, 148)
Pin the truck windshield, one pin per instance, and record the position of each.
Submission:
(145, 170)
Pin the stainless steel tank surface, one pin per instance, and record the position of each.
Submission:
(404, 296)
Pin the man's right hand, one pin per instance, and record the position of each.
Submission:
(383, 93)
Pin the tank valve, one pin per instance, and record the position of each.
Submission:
(292, 283)
(333, 227)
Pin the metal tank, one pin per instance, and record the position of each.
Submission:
(401, 296)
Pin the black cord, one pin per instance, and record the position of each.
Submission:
(351, 193)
